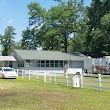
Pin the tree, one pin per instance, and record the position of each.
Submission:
(51, 39)
(78, 42)
(99, 25)
(7, 40)
(105, 22)
(17, 45)
(29, 39)
(57, 23)
(66, 17)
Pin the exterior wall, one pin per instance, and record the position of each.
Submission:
(47, 70)
(16, 56)
(72, 64)
(1, 63)
(15, 64)
(76, 64)
(6, 63)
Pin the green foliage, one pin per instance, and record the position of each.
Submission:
(17, 45)
(99, 25)
(29, 39)
(52, 29)
(56, 24)
(7, 40)
(36, 13)
(65, 18)
(52, 39)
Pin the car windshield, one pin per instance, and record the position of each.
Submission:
(8, 69)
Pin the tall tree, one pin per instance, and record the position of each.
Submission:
(56, 23)
(78, 41)
(29, 39)
(17, 45)
(7, 40)
(98, 35)
(51, 39)
(65, 17)
(105, 23)
(94, 16)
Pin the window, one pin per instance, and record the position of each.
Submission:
(65, 62)
(32, 63)
(38, 64)
(47, 64)
(20, 64)
(42, 63)
(10, 64)
(6, 63)
(27, 63)
(8, 69)
(56, 63)
(60, 63)
(51, 63)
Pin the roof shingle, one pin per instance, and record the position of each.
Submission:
(47, 55)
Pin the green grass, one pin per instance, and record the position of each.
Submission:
(24, 94)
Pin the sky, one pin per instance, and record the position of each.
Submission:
(15, 13)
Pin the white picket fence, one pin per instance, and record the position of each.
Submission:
(29, 73)
(98, 81)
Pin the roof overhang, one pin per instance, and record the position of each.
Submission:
(7, 58)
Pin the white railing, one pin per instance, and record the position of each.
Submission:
(61, 78)
(98, 81)
(41, 74)
(54, 76)
(29, 73)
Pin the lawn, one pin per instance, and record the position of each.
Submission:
(22, 94)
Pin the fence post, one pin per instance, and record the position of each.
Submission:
(50, 77)
(44, 76)
(99, 81)
(22, 74)
(54, 78)
(36, 77)
(81, 80)
(66, 78)
(29, 74)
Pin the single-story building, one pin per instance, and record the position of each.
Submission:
(7, 61)
(46, 60)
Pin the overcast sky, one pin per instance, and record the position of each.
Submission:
(15, 13)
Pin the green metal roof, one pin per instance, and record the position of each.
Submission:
(46, 55)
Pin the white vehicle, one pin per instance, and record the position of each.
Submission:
(97, 65)
(8, 72)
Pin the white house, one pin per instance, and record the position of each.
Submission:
(46, 60)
